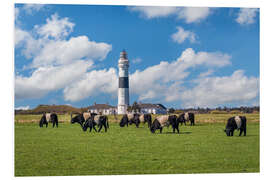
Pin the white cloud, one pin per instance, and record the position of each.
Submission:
(189, 14)
(136, 60)
(30, 8)
(246, 16)
(92, 84)
(164, 80)
(207, 73)
(194, 14)
(56, 62)
(55, 27)
(22, 108)
(51, 78)
(154, 11)
(216, 91)
(66, 51)
(181, 35)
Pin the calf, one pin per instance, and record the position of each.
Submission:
(165, 120)
(236, 122)
(134, 119)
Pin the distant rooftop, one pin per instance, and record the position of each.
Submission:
(100, 106)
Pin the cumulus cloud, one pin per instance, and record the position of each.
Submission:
(165, 78)
(246, 16)
(30, 8)
(51, 78)
(181, 35)
(92, 83)
(188, 14)
(216, 91)
(56, 62)
(55, 27)
(194, 14)
(66, 51)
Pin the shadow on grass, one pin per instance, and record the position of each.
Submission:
(173, 133)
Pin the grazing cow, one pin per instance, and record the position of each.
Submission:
(165, 120)
(48, 117)
(236, 122)
(94, 120)
(124, 121)
(42, 121)
(146, 118)
(186, 117)
(134, 118)
(77, 119)
(54, 119)
(80, 118)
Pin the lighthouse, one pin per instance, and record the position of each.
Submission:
(123, 86)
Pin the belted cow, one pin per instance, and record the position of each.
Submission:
(236, 122)
(80, 118)
(130, 119)
(99, 120)
(146, 118)
(165, 120)
(43, 120)
(186, 117)
(54, 119)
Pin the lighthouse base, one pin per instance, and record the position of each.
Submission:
(122, 109)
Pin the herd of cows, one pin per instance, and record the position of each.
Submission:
(91, 120)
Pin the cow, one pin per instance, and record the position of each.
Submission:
(48, 117)
(165, 120)
(236, 122)
(186, 117)
(146, 118)
(80, 118)
(42, 121)
(134, 119)
(129, 119)
(124, 121)
(54, 119)
(100, 120)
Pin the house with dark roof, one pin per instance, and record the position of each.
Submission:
(102, 108)
(152, 108)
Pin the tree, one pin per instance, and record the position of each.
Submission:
(171, 110)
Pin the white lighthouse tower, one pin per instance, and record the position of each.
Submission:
(123, 87)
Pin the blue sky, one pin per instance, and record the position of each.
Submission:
(179, 56)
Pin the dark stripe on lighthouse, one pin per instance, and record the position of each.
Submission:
(123, 82)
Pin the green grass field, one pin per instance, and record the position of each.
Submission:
(68, 150)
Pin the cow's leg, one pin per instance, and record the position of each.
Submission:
(232, 133)
(177, 128)
(241, 130)
(56, 124)
(245, 131)
(94, 128)
(185, 122)
(161, 130)
(53, 124)
(100, 127)
(46, 125)
(105, 127)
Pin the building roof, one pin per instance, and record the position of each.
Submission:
(148, 105)
(100, 106)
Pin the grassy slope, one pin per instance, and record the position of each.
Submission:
(69, 151)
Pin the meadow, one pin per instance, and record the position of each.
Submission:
(68, 150)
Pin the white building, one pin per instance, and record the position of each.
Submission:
(153, 108)
(123, 86)
(103, 109)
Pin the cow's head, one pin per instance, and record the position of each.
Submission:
(227, 131)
